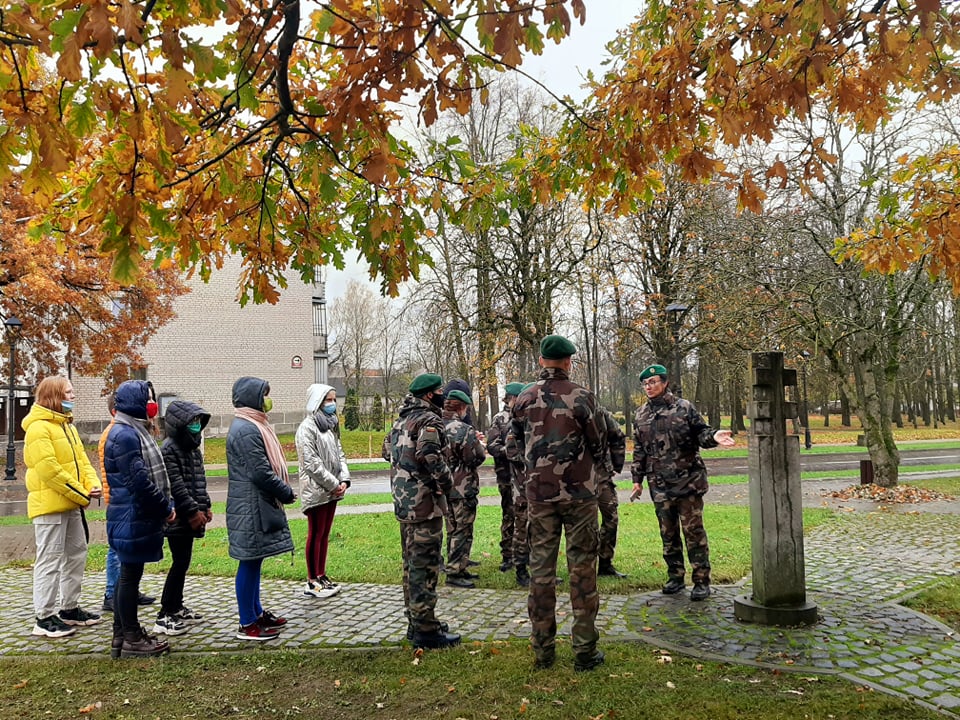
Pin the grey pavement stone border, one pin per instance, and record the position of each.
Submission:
(857, 568)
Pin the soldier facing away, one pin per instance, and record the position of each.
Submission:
(558, 428)
(668, 435)
(465, 454)
(419, 479)
(496, 446)
(609, 517)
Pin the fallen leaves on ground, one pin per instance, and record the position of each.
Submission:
(907, 494)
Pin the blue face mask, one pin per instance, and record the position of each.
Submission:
(67, 406)
(329, 408)
(194, 427)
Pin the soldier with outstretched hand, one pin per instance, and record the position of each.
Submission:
(668, 435)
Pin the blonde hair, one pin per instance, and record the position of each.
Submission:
(51, 392)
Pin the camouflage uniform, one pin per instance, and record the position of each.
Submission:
(518, 473)
(613, 461)
(465, 454)
(555, 423)
(416, 448)
(668, 432)
(496, 439)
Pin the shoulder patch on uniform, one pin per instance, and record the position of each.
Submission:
(430, 435)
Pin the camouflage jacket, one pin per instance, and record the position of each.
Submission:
(558, 431)
(616, 454)
(497, 446)
(667, 437)
(416, 449)
(465, 454)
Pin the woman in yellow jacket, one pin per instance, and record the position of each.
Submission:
(60, 481)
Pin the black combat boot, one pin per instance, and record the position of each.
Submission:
(435, 640)
(523, 576)
(586, 663)
(701, 591)
(608, 570)
(673, 586)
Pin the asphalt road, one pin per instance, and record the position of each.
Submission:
(372, 481)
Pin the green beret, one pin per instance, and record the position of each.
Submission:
(556, 347)
(652, 370)
(422, 384)
(529, 385)
(514, 388)
(459, 395)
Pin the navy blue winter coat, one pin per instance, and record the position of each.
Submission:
(256, 521)
(138, 509)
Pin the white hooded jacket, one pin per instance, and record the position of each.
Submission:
(323, 466)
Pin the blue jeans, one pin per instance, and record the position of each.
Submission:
(113, 572)
(248, 591)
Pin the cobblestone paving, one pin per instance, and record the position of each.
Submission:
(856, 569)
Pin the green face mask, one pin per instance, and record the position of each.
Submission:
(194, 427)
(267, 404)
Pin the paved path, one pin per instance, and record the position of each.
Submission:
(857, 569)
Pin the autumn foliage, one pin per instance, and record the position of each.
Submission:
(192, 129)
(693, 77)
(72, 312)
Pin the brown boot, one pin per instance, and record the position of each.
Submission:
(138, 644)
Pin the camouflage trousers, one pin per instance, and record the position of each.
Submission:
(521, 541)
(507, 520)
(609, 519)
(420, 543)
(577, 519)
(461, 515)
(686, 514)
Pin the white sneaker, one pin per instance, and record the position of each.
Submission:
(169, 625)
(187, 615)
(316, 588)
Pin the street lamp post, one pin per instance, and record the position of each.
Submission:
(807, 442)
(676, 312)
(14, 326)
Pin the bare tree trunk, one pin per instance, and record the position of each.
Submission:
(873, 408)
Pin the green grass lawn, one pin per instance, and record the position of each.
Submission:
(479, 681)
(366, 548)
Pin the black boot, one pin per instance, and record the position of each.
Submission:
(608, 570)
(436, 640)
(673, 586)
(523, 577)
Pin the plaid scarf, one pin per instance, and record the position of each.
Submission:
(151, 453)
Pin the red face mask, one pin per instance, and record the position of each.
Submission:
(152, 409)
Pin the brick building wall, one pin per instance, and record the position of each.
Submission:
(212, 341)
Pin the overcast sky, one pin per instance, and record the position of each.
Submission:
(561, 68)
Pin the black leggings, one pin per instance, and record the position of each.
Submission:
(125, 598)
(181, 552)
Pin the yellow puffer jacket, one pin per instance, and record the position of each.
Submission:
(59, 474)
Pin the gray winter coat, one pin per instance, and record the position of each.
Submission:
(256, 521)
(323, 465)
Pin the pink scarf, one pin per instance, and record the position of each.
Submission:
(270, 440)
